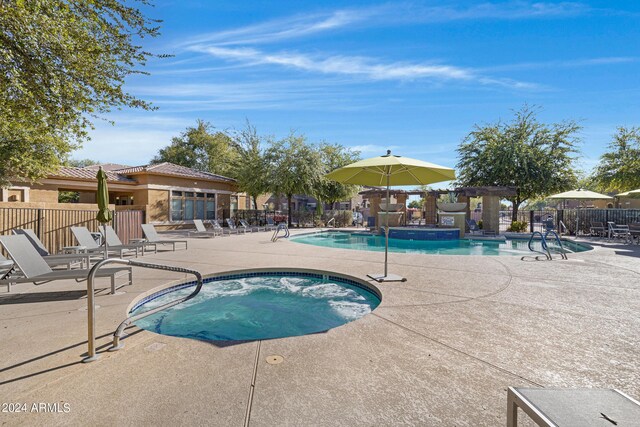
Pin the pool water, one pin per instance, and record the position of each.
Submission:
(370, 242)
(267, 306)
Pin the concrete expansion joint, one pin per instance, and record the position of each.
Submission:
(477, 359)
(252, 386)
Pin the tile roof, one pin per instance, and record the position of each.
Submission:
(90, 174)
(175, 170)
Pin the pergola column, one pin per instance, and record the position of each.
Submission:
(491, 213)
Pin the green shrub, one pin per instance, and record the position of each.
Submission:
(518, 226)
(480, 225)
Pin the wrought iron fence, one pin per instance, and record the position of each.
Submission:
(299, 218)
(52, 225)
(575, 219)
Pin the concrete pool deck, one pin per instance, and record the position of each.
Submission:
(441, 349)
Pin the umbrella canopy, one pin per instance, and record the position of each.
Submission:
(630, 193)
(580, 194)
(400, 171)
(390, 170)
(102, 196)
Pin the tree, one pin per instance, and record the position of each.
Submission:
(200, 148)
(295, 167)
(619, 168)
(534, 157)
(416, 204)
(63, 63)
(80, 163)
(249, 166)
(334, 156)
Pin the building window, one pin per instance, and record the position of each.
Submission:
(188, 205)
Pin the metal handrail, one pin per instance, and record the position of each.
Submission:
(334, 222)
(562, 252)
(281, 226)
(543, 242)
(91, 341)
(566, 230)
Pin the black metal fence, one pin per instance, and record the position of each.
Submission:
(299, 218)
(573, 219)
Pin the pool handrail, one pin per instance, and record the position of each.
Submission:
(543, 243)
(91, 323)
(562, 251)
(281, 226)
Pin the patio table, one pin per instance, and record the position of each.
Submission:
(573, 407)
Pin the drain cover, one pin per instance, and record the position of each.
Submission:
(275, 360)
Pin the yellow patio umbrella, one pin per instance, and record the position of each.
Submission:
(390, 170)
(104, 214)
(579, 194)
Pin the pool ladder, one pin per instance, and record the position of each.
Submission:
(281, 226)
(546, 249)
(91, 341)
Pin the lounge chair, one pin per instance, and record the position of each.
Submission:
(219, 229)
(473, 227)
(597, 229)
(152, 237)
(271, 225)
(201, 230)
(54, 260)
(634, 230)
(113, 240)
(232, 226)
(246, 225)
(619, 231)
(85, 239)
(35, 270)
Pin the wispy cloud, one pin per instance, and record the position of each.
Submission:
(571, 63)
(283, 29)
(356, 66)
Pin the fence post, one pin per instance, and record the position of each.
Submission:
(606, 216)
(560, 218)
(39, 225)
(531, 214)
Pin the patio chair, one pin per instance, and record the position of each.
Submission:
(113, 240)
(473, 227)
(220, 229)
(201, 230)
(619, 231)
(246, 225)
(55, 260)
(634, 230)
(271, 225)
(152, 237)
(35, 270)
(597, 229)
(232, 226)
(86, 241)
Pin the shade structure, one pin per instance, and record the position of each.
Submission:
(390, 170)
(579, 194)
(102, 196)
(630, 193)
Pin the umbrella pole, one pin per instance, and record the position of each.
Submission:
(386, 227)
(106, 248)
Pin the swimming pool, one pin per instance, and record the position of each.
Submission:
(259, 305)
(370, 242)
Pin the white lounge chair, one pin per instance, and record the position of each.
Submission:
(113, 240)
(55, 260)
(619, 231)
(247, 226)
(85, 240)
(220, 229)
(597, 229)
(35, 270)
(152, 237)
(232, 226)
(201, 230)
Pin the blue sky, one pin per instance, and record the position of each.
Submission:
(413, 77)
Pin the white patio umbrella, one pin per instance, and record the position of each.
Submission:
(390, 170)
(581, 195)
